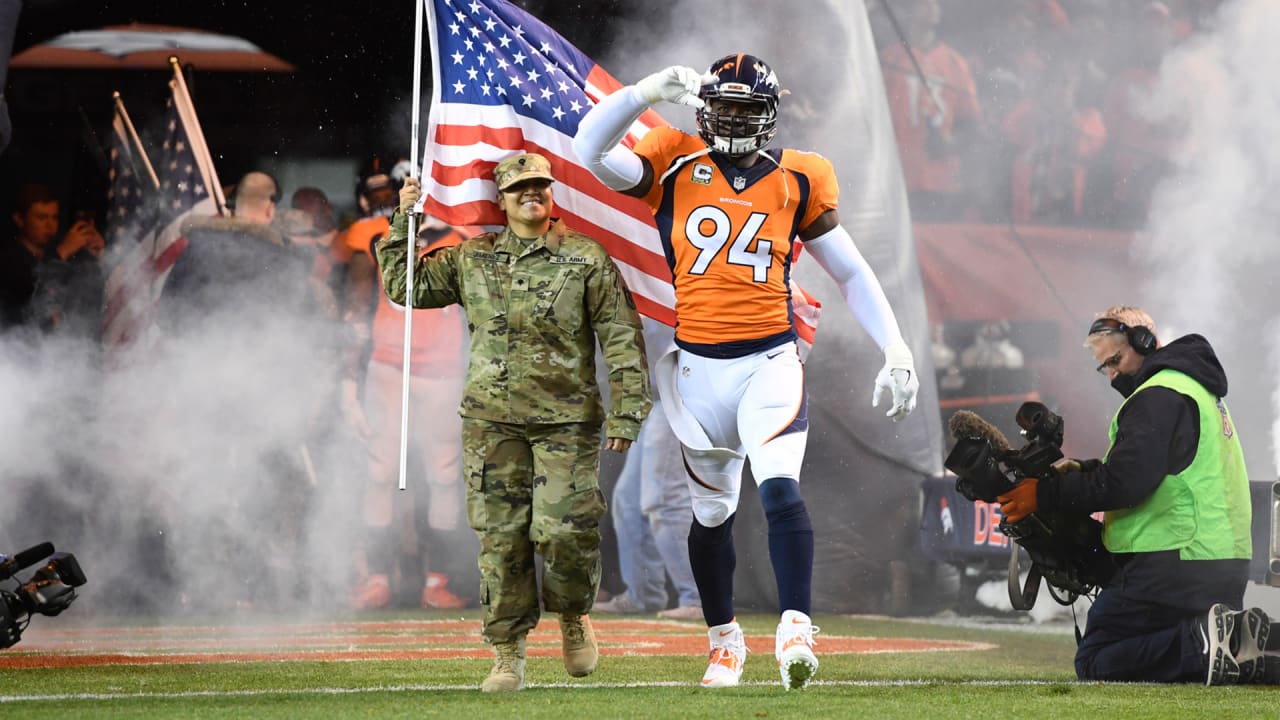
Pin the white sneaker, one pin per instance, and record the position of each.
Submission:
(728, 653)
(683, 612)
(793, 647)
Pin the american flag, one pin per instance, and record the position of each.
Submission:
(129, 202)
(504, 83)
(134, 284)
(183, 181)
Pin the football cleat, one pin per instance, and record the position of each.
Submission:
(436, 594)
(372, 593)
(793, 646)
(728, 654)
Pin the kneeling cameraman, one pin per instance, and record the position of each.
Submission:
(1176, 496)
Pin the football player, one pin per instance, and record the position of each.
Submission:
(729, 210)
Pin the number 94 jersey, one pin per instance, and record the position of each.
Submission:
(728, 233)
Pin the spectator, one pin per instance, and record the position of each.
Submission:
(539, 297)
(1140, 146)
(991, 348)
(41, 282)
(651, 514)
(1055, 140)
(311, 212)
(934, 117)
(438, 361)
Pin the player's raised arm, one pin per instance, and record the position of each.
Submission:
(599, 136)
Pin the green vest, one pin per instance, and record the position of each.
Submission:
(1204, 511)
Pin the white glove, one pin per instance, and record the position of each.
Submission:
(898, 377)
(677, 84)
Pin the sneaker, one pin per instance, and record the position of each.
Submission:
(1249, 646)
(793, 646)
(619, 605)
(1215, 634)
(435, 593)
(728, 654)
(507, 674)
(684, 612)
(372, 593)
(578, 642)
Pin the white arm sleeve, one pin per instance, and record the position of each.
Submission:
(835, 252)
(599, 133)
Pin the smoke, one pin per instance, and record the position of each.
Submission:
(1210, 247)
(179, 479)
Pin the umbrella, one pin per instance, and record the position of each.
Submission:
(148, 47)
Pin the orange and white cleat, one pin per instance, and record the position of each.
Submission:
(372, 593)
(793, 647)
(728, 654)
(436, 594)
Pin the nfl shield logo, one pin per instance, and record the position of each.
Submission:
(739, 183)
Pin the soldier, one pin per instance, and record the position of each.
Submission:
(538, 296)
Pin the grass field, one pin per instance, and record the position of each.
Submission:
(430, 664)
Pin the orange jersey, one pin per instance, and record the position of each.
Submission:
(728, 234)
(438, 334)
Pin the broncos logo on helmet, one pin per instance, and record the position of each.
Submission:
(749, 81)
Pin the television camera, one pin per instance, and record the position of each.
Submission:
(1066, 549)
(49, 590)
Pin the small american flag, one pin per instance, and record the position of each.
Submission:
(182, 184)
(134, 284)
(128, 200)
(505, 83)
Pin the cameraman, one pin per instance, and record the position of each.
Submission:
(1178, 513)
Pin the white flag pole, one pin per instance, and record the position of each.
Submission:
(199, 148)
(411, 256)
(134, 141)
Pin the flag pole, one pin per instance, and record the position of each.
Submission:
(133, 138)
(412, 255)
(201, 148)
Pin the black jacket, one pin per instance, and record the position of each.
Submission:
(1156, 435)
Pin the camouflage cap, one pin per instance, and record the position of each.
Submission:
(519, 168)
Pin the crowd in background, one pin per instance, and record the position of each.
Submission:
(1030, 111)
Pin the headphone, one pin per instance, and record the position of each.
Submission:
(1140, 337)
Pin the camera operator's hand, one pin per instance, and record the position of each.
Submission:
(1021, 501)
(1066, 465)
(1070, 465)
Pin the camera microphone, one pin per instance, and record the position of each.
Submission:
(965, 424)
(25, 558)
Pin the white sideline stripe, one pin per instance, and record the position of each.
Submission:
(432, 688)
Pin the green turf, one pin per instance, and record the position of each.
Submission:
(1028, 675)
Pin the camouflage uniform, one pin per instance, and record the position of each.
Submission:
(531, 407)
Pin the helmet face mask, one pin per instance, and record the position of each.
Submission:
(741, 113)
